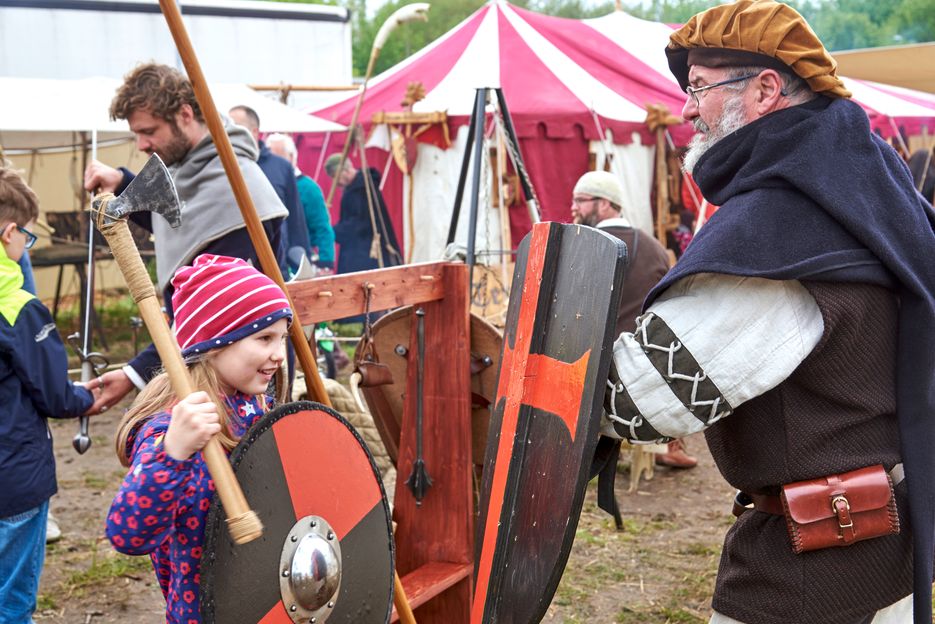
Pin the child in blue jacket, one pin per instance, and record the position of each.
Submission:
(34, 387)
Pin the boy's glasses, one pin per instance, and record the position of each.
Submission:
(30, 237)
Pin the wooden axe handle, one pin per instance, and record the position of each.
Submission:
(243, 524)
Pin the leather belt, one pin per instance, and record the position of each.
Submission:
(772, 504)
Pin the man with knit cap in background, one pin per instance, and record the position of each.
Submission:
(597, 202)
(797, 330)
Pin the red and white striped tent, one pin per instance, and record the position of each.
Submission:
(568, 85)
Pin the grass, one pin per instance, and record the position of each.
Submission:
(104, 568)
(97, 482)
(651, 572)
(660, 615)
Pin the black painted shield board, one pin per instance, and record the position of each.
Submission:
(521, 552)
(240, 583)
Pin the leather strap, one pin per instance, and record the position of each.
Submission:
(772, 504)
(766, 503)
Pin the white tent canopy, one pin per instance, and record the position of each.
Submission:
(40, 113)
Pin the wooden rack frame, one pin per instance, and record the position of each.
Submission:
(434, 541)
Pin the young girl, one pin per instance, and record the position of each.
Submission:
(231, 322)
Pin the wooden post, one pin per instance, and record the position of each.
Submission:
(436, 538)
(270, 267)
(434, 555)
(662, 186)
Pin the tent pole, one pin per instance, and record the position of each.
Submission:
(462, 177)
(479, 105)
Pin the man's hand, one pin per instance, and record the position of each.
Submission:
(100, 177)
(194, 422)
(113, 386)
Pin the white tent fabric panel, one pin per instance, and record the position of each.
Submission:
(478, 67)
(594, 94)
(435, 179)
(633, 166)
(643, 39)
(38, 113)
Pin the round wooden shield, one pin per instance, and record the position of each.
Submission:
(327, 545)
(395, 347)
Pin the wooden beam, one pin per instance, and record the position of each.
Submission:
(340, 296)
(409, 117)
(430, 580)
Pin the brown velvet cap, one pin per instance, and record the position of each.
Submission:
(754, 32)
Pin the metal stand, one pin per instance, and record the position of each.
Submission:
(475, 138)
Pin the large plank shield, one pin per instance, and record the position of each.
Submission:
(546, 419)
(326, 553)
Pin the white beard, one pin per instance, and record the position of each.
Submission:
(731, 120)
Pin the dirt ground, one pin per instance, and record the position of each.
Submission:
(659, 569)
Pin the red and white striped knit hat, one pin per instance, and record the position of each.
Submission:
(219, 300)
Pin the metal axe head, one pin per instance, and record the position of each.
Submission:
(152, 190)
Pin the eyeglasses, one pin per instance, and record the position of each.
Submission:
(30, 237)
(583, 200)
(694, 91)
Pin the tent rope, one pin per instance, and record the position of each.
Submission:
(513, 150)
(604, 140)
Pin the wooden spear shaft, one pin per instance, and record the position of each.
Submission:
(374, 53)
(268, 262)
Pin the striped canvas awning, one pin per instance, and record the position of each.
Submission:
(573, 76)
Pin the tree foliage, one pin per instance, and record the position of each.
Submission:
(841, 24)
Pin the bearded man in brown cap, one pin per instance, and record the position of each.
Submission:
(797, 331)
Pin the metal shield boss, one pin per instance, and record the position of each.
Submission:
(327, 551)
(546, 419)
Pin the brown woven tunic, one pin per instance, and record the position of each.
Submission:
(836, 412)
(647, 262)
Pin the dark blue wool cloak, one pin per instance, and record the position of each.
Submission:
(811, 193)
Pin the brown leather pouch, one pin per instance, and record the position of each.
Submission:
(374, 374)
(839, 510)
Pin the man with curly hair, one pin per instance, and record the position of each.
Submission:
(159, 104)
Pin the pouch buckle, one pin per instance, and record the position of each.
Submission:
(843, 513)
